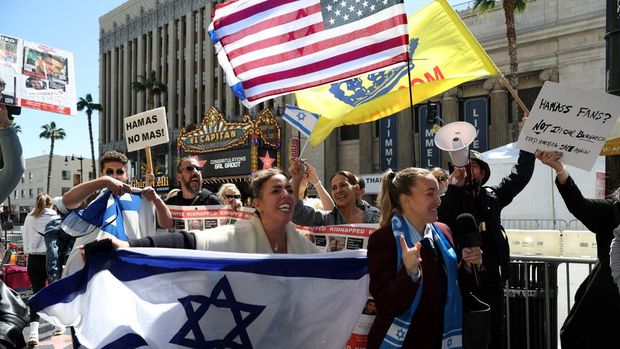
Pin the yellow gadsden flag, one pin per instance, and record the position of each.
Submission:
(445, 54)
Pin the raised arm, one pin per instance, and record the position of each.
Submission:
(326, 199)
(13, 169)
(162, 212)
(74, 197)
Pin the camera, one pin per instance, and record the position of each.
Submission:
(10, 107)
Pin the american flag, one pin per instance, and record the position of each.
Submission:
(273, 47)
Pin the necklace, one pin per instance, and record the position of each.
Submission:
(276, 247)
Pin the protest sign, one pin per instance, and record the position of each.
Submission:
(571, 121)
(146, 129)
(205, 217)
(36, 76)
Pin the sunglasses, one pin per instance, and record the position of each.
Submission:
(110, 172)
(191, 168)
(441, 178)
(230, 197)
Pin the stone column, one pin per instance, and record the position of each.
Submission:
(180, 54)
(210, 64)
(365, 147)
(449, 113)
(499, 113)
(103, 83)
(141, 72)
(113, 106)
(406, 135)
(126, 79)
(190, 26)
(156, 61)
(172, 77)
(134, 75)
(108, 96)
(199, 71)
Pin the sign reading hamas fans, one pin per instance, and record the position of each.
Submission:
(571, 121)
(36, 76)
(146, 129)
(171, 298)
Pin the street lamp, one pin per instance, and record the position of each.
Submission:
(73, 158)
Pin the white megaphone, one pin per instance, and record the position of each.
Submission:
(455, 138)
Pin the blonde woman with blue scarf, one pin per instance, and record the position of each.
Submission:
(415, 277)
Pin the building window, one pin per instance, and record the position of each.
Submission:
(16, 195)
(30, 193)
(349, 132)
(23, 194)
(30, 177)
(66, 175)
(64, 190)
(22, 178)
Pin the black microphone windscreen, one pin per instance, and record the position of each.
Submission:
(466, 224)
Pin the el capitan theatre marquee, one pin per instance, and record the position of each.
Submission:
(232, 151)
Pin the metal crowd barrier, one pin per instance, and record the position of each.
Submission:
(531, 300)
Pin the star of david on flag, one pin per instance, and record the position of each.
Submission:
(302, 120)
(171, 298)
(116, 215)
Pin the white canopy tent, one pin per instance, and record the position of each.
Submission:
(540, 199)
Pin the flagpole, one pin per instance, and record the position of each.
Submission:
(304, 148)
(411, 111)
(299, 141)
(514, 94)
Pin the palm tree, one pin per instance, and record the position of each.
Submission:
(510, 7)
(52, 133)
(151, 86)
(88, 104)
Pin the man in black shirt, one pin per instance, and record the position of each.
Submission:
(189, 175)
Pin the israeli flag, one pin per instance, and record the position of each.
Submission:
(302, 120)
(126, 216)
(170, 298)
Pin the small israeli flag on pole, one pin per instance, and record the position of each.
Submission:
(302, 120)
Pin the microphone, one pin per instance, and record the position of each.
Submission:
(467, 235)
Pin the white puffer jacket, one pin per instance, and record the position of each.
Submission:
(33, 231)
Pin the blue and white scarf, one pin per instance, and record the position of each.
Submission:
(453, 309)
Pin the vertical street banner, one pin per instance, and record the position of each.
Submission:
(388, 143)
(430, 155)
(477, 113)
(37, 76)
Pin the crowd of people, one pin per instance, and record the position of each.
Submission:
(420, 270)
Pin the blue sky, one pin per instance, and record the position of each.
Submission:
(70, 25)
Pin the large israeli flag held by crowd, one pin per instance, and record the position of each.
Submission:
(165, 298)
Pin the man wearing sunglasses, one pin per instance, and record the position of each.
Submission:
(114, 177)
(189, 175)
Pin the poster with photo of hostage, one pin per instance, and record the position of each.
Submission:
(334, 238)
(9, 71)
(206, 217)
(43, 77)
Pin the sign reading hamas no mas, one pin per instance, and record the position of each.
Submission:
(215, 134)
